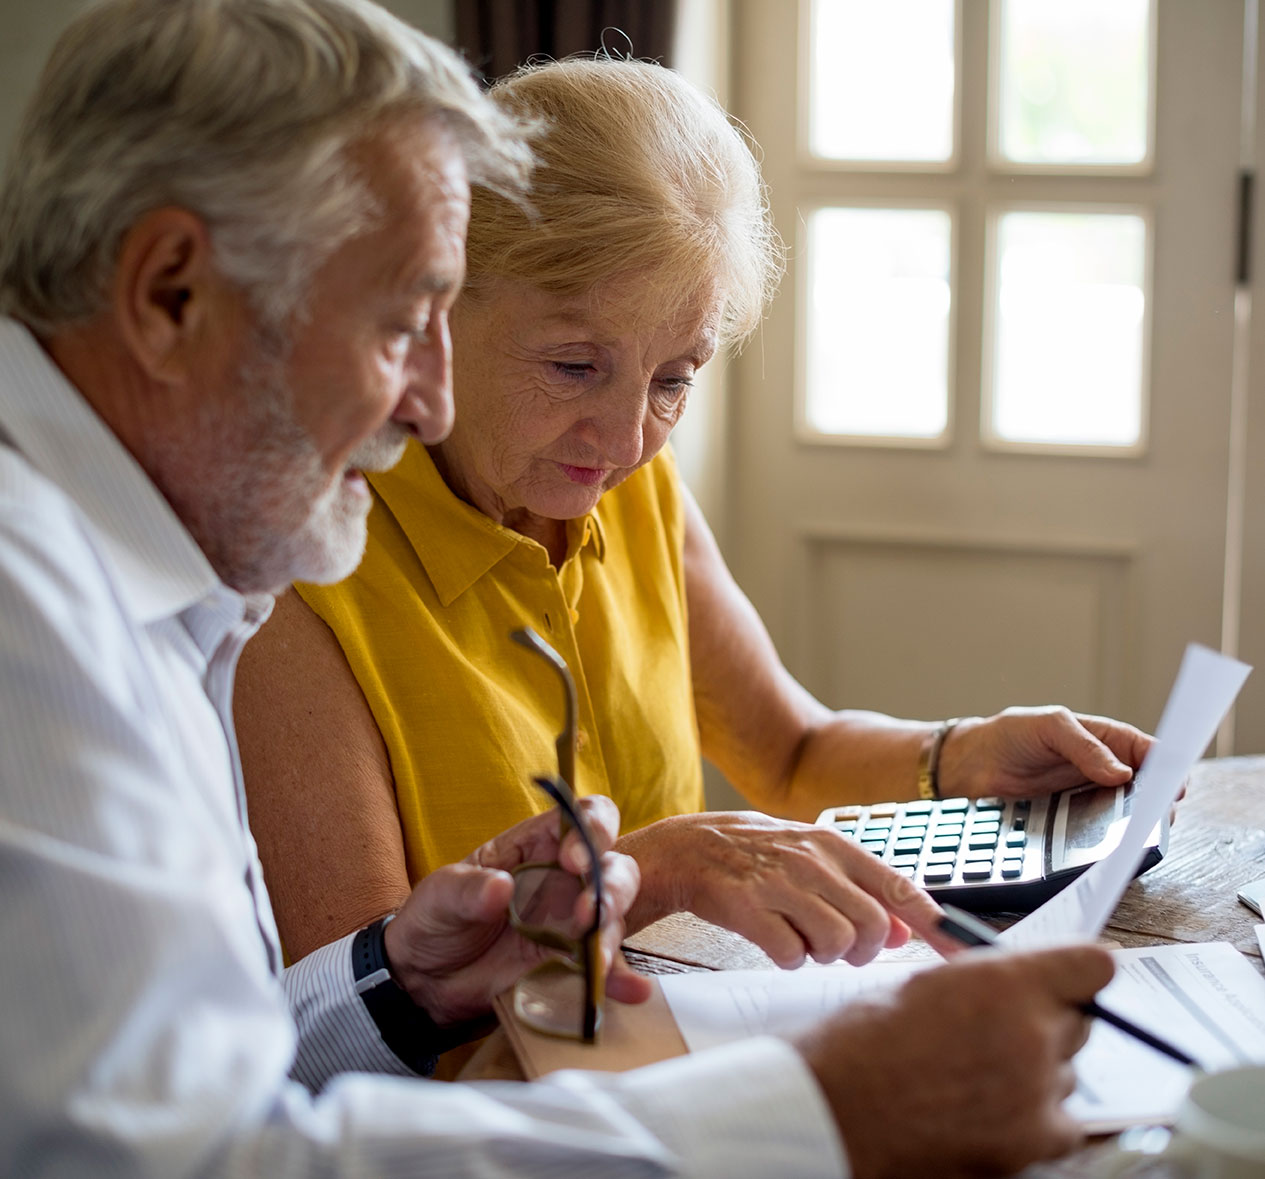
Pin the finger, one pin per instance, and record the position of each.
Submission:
(458, 895)
(1073, 974)
(829, 934)
(1066, 1133)
(1091, 756)
(532, 839)
(601, 816)
(1080, 1027)
(1129, 743)
(776, 936)
(897, 935)
(624, 984)
(621, 880)
(901, 898)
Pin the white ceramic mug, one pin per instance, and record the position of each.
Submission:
(1219, 1132)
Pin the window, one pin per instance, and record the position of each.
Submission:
(1064, 280)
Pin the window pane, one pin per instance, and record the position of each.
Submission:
(1075, 78)
(882, 80)
(878, 322)
(1069, 328)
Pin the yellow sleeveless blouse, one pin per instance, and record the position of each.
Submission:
(467, 715)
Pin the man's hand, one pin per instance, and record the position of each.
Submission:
(963, 1071)
(796, 890)
(1026, 751)
(451, 946)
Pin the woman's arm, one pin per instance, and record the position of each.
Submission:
(318, 783)
(792, 756)
(778, 745)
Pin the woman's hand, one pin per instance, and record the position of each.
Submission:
(1027, 751)
(451, 946)
(797, 891)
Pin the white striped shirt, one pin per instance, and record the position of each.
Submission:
(145, 1027)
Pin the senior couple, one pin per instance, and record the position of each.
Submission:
(232, 242)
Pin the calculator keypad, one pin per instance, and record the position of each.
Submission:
(950, 842)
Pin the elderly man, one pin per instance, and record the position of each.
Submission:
(229, 240)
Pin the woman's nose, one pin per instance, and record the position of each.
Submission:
(621, 426)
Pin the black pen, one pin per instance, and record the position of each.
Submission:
(971, 931)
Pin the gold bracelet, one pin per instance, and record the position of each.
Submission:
(929, 760)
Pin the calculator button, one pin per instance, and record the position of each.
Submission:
(949, 829)
(1016, 839)
(978, 841)
(875, 846)
(885, 810)
(904, 860)
(1011, 868)
(907, 845)
(977, 871)
(983, 853)
(918, 808)
(939, 858)
(912, 830)
(879, 825)
(950, 844)
(989, 804)
(1019, 822)
(905, 870)
(954, 805)
(939, 874)
(849, 812)
(985, 827)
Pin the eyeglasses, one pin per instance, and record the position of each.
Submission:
(562, 996)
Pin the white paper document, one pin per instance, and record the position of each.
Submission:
(1207, 999)
(1206, 686)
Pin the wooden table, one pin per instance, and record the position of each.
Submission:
(1217, 844)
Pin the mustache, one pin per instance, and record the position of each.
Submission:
(380, 451)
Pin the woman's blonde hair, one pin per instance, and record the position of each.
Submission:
(638, 172)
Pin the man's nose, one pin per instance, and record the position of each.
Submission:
(427, 403)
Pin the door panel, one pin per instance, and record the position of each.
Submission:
(940, 581)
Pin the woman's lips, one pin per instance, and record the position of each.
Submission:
(585, 476)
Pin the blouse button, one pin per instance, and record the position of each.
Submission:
(581, 739)
(575, 614)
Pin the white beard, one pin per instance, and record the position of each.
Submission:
(263, 509)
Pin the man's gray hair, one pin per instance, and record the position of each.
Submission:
(242, 112)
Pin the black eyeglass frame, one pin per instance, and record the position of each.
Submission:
(584, 951)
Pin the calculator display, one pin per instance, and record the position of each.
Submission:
(995, 854)
(1090, 814)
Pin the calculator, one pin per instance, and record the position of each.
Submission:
(997, 854)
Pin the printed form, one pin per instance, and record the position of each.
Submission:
(1207, 999)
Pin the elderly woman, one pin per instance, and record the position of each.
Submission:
(388, 725)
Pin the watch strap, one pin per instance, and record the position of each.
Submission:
(406, 1028)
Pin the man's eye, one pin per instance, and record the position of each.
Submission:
(575, 372)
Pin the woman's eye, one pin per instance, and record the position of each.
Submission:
(675, 387)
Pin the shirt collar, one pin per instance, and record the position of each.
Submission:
(455, 542)
(160, 567)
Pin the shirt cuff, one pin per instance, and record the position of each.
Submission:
(748, 1108)
(336, 1033)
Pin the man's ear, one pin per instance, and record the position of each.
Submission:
(165, 287)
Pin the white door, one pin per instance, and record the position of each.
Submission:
(980, 447)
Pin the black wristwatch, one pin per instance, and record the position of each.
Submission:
(406, 1028)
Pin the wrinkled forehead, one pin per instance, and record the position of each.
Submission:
(648, 302)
